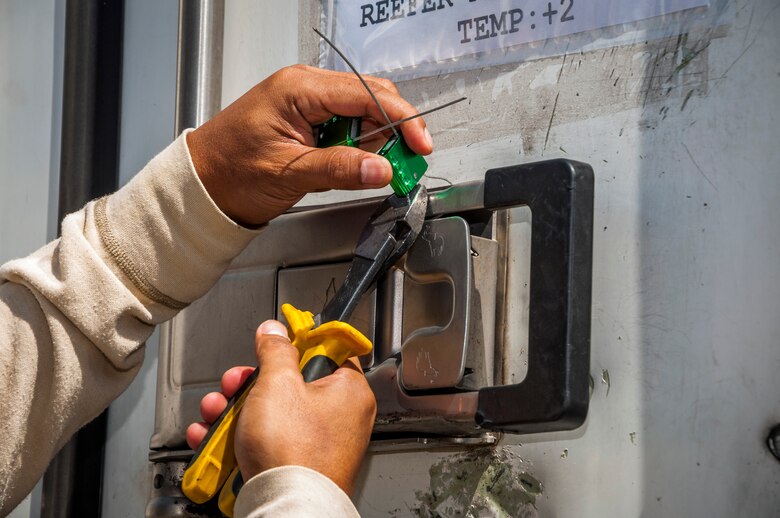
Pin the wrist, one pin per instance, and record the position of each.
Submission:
(221, 177)
(203, 159)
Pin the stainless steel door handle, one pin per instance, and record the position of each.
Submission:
(434, 356)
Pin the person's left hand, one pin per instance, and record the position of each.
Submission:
(257, 158)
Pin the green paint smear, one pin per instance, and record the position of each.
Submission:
(481, 482)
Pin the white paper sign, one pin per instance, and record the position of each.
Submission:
(383, 35)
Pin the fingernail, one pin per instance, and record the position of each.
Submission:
(272, 327)
(428, 138)
(374, 171)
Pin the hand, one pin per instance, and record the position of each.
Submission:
(214, 403)
(256, 157)
(324, 425)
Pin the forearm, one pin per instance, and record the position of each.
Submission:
(74, 315)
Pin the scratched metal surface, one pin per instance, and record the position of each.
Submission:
(682, 134)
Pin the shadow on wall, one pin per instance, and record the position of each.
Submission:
(708, 280)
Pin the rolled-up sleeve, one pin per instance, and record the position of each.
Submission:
(75, 314)
(293, 491)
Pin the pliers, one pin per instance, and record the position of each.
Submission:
(324, 341)
(387, 236)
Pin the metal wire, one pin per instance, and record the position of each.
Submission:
(359, 77)
(394, 124)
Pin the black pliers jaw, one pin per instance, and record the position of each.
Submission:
(387, 236)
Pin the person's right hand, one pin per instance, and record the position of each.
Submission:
(257, 158)
(324, 425)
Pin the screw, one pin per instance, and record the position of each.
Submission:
(773, 441)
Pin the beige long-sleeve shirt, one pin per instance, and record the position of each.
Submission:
(75, 314)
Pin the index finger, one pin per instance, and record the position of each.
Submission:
(396, 107)
(233, 379)
(342, 93)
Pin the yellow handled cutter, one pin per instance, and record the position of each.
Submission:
(323, 341)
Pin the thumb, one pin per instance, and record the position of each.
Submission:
(275, 352)
(340, 167)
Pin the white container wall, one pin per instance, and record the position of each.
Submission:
(682, 133)
(31, 61)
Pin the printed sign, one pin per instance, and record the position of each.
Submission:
(384, 35)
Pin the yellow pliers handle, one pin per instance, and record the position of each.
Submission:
(322, 349)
